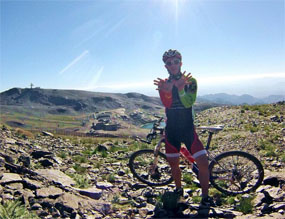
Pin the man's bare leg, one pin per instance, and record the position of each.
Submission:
(202, 162)
(175, 170)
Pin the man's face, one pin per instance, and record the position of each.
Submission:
(173, 65)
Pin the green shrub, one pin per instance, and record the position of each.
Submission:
(104, 154)
(267, 129)
(62, 155)
(267, 147)
(87, 140)
(81, 181)
(253, 129)
(114, 148)
(215, 193)
(127, 170)
(219, 197)
(98, 164)
(270, 152)
(80, 159)
(274, 138)
(282, 157)
(245, 107)
(159, 201)
(230, 200)
(87, 150)
(79, 169)
(37, 165)
(135, 145)
(111, 178)
(14, 209)
(188, 178)
(245, 205)
(235, 137)
(196, 199)
(262, 144)
(116, 199)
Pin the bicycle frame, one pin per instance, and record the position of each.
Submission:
(221, 167)
(194, 167)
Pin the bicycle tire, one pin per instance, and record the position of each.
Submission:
(236, 172)
(140, 163)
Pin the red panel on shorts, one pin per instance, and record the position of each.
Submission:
(196, 145)
(169, 148)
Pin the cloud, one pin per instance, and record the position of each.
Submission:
(92, 84)
(77, 59)
(88, 35)
(93, 28)
(115, 27)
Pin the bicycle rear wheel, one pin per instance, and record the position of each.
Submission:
(141, 164)
(236, 172)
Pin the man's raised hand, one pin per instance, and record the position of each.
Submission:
(163, 85)
(184, 80)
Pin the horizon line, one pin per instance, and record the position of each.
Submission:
(74, 89)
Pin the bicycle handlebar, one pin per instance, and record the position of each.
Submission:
(153, 130)
(157, 122)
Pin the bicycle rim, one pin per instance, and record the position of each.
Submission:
(141, 165)
(236, 172)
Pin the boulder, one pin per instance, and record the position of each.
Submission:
(39, 153)
(93, 192)
(47, 134)
(104, 185)
(56, 176)
(48, 192)
(10, 178)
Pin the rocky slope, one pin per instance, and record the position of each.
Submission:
(74, 101)
(74, 177)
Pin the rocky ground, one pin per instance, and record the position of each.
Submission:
(66, 177)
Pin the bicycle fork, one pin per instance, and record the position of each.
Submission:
(154, 165)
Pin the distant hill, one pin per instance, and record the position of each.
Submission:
(55, 101)
(223, 98)
(76, 101)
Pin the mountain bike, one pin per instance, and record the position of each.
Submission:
(231, 172)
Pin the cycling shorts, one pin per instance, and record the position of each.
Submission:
(189, 137)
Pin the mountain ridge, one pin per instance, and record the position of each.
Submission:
(58, 101)
(78, 101)
(231, 99)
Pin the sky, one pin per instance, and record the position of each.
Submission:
(229, 46)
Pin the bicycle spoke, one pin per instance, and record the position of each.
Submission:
(236, 172)
(143, 167)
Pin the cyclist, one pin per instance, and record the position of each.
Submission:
(178, 94)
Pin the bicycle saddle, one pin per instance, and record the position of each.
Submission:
(214, 129)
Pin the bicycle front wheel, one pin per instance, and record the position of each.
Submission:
(142, 166)
(236, 172)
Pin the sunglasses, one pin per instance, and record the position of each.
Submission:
(173, 62)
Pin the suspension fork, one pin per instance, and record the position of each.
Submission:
(156, 150)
